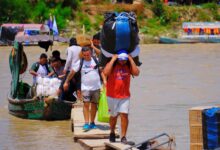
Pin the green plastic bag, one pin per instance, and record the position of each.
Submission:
(103, 115)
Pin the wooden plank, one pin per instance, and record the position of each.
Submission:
(77, 115)
(118, 146)
(101, 132)
(91, 144)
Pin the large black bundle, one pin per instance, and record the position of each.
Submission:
(120, 31)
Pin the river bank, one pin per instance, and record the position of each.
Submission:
(173, 79)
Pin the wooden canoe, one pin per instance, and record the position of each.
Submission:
(38, 109)
(21, 104)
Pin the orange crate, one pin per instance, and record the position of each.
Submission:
(196, 146)
(196, 135)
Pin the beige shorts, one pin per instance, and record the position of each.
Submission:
(116, 106)
(91, 96)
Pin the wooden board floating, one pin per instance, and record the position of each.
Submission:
(93, 144)
(118, 146)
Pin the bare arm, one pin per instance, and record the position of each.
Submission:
(68, 60)
(70, 76)
(134, 69)
(50, 74)
(104, 79)
(97, 51)
(61, 76)
(108, 68)
(33, 73)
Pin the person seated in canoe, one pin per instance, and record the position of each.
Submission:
(56, 54)
(41, 68)
(57, 67)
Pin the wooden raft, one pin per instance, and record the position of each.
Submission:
(95, 139)
(102, 131)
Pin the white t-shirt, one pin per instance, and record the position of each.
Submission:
(90, 79)
(72, 56)
(42, 71)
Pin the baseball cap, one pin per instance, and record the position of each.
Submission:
(122, 55)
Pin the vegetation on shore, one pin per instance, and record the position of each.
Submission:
(154, 19)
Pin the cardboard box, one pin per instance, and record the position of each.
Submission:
(196, 134)
(195, 114)
(196, 146)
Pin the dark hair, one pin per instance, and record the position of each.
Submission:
(54, 59)
(73, 41)
(85, 48)
(43, 55)
(96, 36)
(56, 54)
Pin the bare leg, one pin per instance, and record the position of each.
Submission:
(124, 124)
(86, 111)
(112, 122)
(79, 95)
(93, 112)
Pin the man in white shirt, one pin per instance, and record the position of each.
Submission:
(73, 52)
(72, 55)
(90, 86)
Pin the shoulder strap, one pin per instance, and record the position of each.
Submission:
(96, 61)
(81, 64)
(37, 65)
(47, 67)
(97, 66)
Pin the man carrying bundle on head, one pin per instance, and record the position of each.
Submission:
(119, 71)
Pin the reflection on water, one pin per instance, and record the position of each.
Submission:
(39, 134)
(173, 78)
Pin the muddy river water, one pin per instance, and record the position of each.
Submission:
(173, 79)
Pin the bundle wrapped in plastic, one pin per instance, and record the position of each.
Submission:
(46, 81)
(39, 90)
(40, 80)
(119, 32)
(47, 86)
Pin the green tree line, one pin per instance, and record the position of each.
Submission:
(37, 11)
